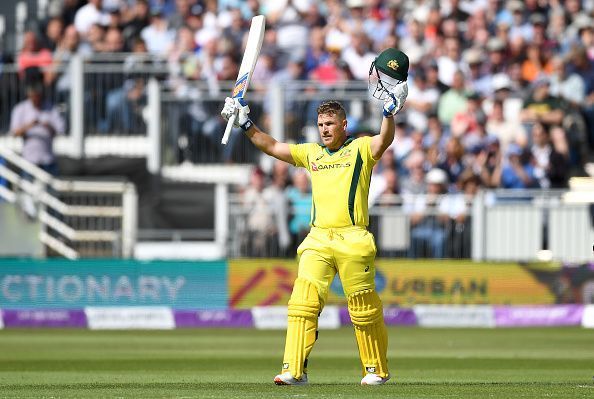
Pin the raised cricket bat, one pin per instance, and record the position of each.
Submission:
(248, 63)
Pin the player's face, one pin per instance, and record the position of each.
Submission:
(332, 130)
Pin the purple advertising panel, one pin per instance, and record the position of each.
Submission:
(213, 318)
(531, 316)
(44, 318)
(392, 316)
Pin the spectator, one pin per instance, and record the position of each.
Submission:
(89, 15)
(37, 122)
(428, 231)
(452, 101)
(138, 20)
(157, 35)
(541, 106)
(518, 171)
(299, 197)
(265, 217)
(53, 33)
(551, 167)
(421, 101)
(31, 55)
(504, 130)
(357, 55)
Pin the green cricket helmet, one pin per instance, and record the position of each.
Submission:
(388, 69)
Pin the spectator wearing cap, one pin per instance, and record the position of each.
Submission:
(541, 106)
(157, 35)
(428, 230)
(89, 15)
(37, 122)
(480, 82)
(519, 25)
(497, 59)
(584, 67)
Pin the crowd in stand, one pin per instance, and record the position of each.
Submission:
(501, 92)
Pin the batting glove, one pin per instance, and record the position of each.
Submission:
(243, 118)
(229, 110)
(396, 99)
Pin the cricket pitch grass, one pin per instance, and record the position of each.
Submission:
(241, 363)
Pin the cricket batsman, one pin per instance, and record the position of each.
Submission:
(338, 242)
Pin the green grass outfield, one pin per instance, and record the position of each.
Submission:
(216, 363)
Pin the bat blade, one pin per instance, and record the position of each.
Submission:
(248, 63)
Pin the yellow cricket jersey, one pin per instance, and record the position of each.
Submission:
(339, 180)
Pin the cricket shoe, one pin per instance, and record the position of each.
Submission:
(287, 379)
(374, 379)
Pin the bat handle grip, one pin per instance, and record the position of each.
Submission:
(228, 129)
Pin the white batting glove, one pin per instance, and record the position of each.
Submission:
(396, 99)
(229, 110)
(243, 118)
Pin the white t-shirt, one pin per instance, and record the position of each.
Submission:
(88, 16)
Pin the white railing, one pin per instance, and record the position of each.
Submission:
(501, 225)
(78, 218)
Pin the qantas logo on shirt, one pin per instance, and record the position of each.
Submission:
(315, 167)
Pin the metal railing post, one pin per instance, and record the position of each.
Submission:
(77, 107)
(277, 112)
(129, 220)
(153, 122)
(478, 228)
(222, 215)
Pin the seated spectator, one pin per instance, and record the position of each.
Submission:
(541, 106)
(536, 64)
(37, 122)
(551, 167)
(506, 131)
(452, 101)
(518, 170)
(421, 101)
(428, 231)
(453, 163)
(299, 197)
(31, 55)
(487, 163)
(158, 36)
(413, 181)
(89, 15)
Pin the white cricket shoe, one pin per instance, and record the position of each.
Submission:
(287, 379)
(374, 379)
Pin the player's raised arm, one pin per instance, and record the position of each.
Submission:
(260, 139)
(387, 82)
